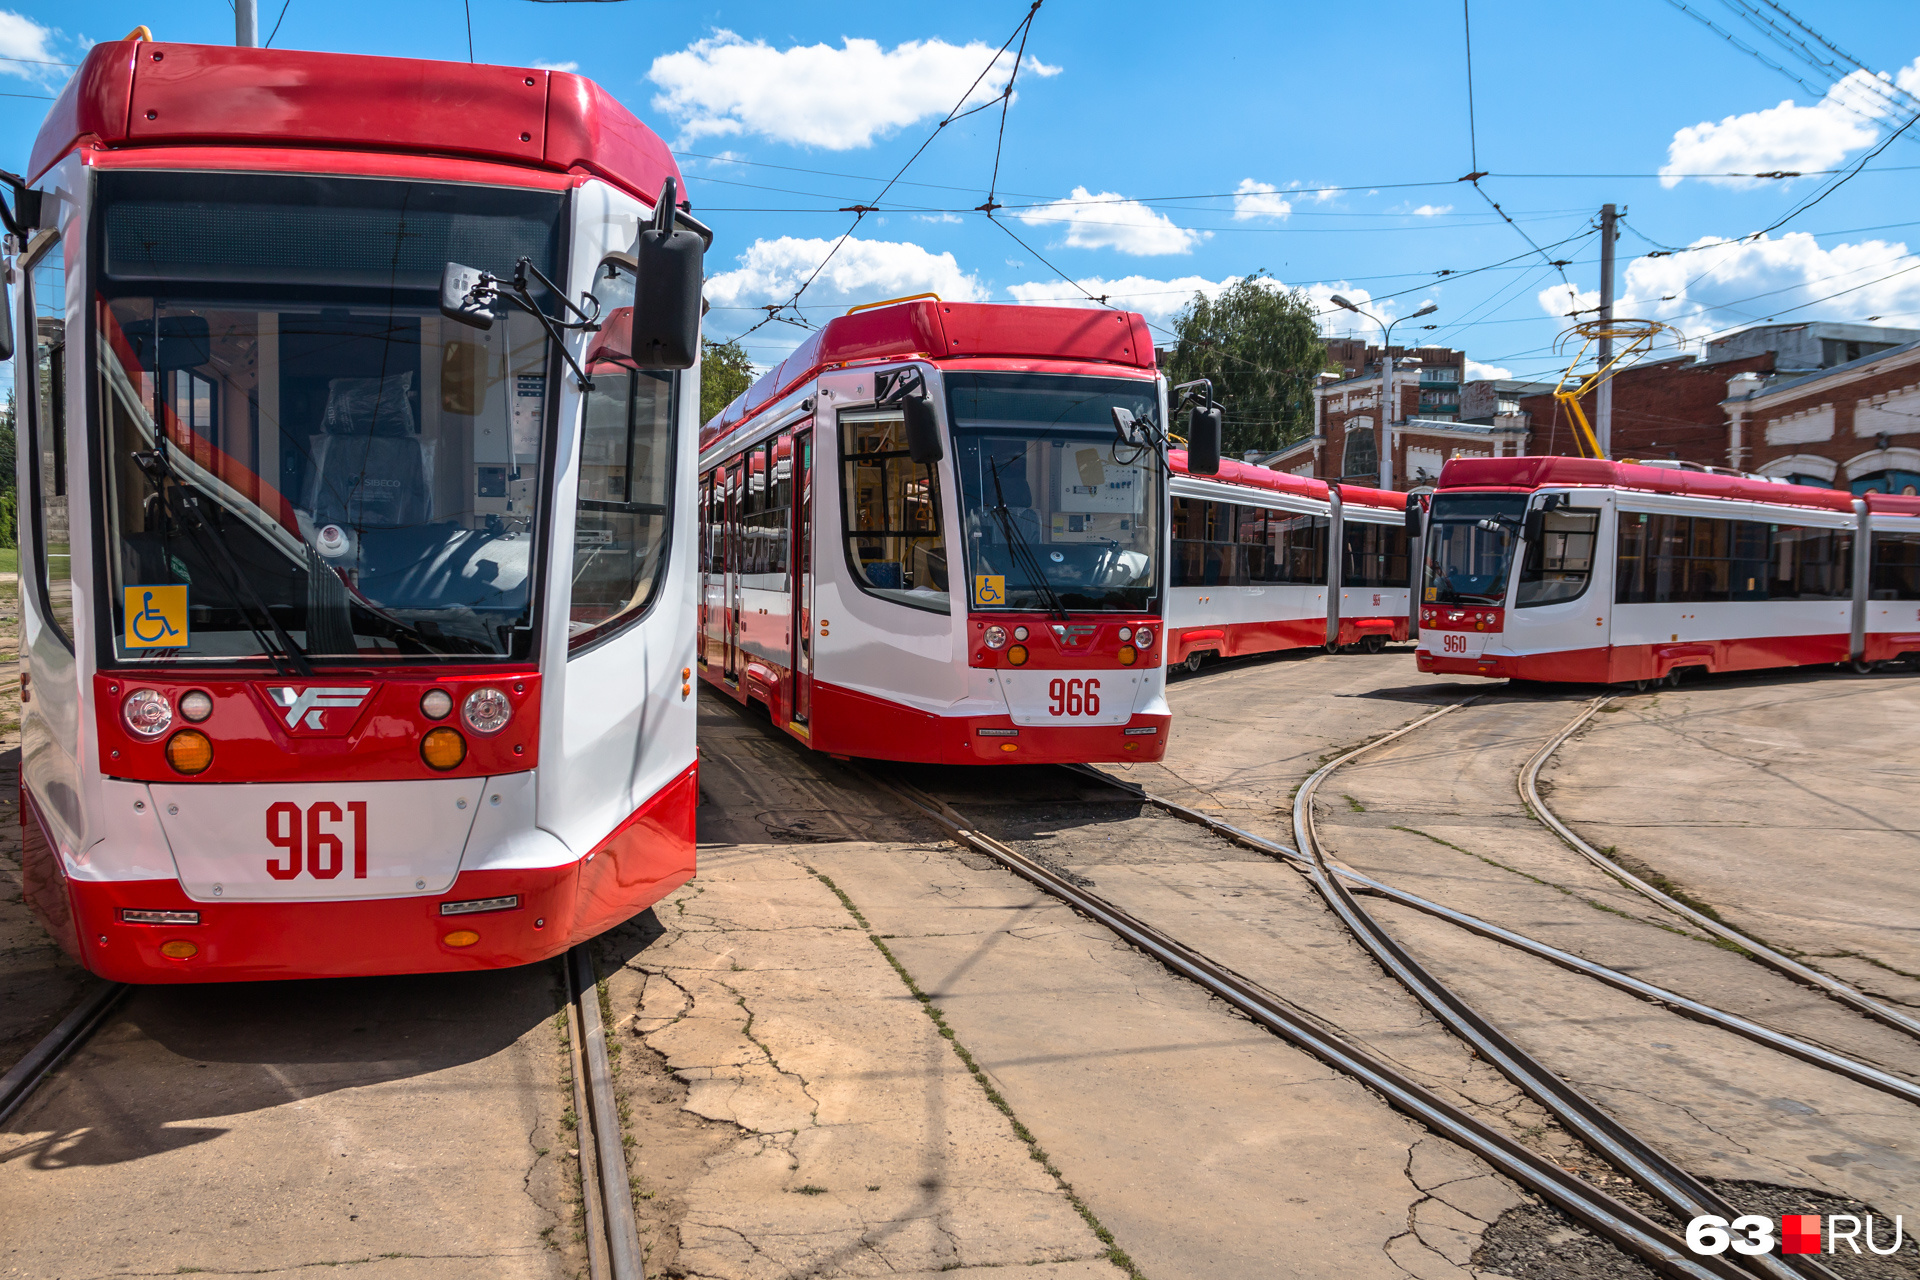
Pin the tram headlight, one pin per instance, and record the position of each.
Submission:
(996, 637)
(486, 711)
(1126, 633)
(443, 748)
(147, 713)
(1019, 633)
(1143, 638)
(436, 704)
(196, 705)
(189, 752)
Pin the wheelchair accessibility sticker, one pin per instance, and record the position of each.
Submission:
(156, 617)
(989, 589)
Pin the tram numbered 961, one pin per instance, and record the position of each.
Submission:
(924, 538)
(357, 620)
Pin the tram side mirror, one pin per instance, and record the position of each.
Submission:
(666, 304)
(6, 322)
(457, 302)
(1413, 516)
(923, 432)
(1536, 525)
(1203, 440)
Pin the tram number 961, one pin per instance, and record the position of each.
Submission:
(1074, 697)
(309, 844)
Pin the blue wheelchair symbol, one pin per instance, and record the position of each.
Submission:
(149, 617)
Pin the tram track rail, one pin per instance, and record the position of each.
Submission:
(54, 1048)
(612, 1227)
(1662, 1177)
(1853, 998)
(1586, 1203)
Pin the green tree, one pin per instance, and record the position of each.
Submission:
(1260, 346)
(724, 373)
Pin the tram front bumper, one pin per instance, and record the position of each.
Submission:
(997, 740)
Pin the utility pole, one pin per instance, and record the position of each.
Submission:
(1388, 403)
(1603, 408)
(246, 24)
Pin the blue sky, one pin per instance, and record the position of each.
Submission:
(1151, 152)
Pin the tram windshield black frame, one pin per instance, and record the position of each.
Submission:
(1470, 544)
(341, 253)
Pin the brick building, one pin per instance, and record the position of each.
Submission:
(1854, 426)
(1345, 442)
(1443, 370)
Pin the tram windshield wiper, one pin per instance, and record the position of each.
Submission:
(1022, 550)
(274, 640)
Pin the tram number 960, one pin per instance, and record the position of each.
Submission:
(310, 845)
(1451, 643)
(1074, 697)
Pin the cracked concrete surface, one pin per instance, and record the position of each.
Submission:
(404, 1127)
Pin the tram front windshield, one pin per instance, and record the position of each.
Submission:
(296, 443)
(1056, 509)
(1470, 543)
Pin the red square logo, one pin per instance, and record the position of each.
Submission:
(1800, 1233)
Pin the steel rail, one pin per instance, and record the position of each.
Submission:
(1686, 1195)
(1845, 994)
(1806, 1051)
(1618, 1222)
(26, 1075)
(613, 1231)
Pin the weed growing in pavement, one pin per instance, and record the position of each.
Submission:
(1354, 805)
(808, 1190)
(1115, 1254)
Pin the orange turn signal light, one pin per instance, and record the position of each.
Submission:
(1017, 655)
(443, 748)
(1128, 655)
(461, 938)
(179, 949)
(189, 752)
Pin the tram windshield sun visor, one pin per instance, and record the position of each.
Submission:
(1470, 543)
(1058, 514)
(303, 454)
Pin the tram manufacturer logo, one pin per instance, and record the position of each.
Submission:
(309, 707)
(1798, 1233)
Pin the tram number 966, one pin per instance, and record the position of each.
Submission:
(311, 844)
(1074, 697)
(1450, 643)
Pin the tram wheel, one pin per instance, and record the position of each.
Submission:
(1193, 661)
(1640, 686)
(1375, 643)
(1864, 668)
(1672, 679)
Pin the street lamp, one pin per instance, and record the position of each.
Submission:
(1386, 381)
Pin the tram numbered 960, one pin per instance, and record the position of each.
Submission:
(357, 606)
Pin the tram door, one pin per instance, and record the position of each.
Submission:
(802, 648)
(730, 575)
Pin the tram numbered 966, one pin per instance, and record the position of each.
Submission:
(1574, 569)
(357, 619)
(924, 539)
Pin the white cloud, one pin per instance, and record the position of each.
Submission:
(21, 37)
(820, 96)
(1477, 372)
(1111, 221)
(942, 216)
(862, 271)
(1742, 282)
(1257, 200)
(1787, 137)
(1157, 300)
(1337, 322)
(556, 66)
(1432, 210)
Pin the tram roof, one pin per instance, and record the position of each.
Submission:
(1552, 471)
(137, 93)
(953, 335)
(1232, 471)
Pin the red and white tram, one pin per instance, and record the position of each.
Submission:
(1254, 552)
(924, 540)
(1554, 568)
(355, 633)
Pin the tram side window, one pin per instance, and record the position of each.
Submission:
(765, 517)
(892, 511)
(1559, 565)
(1669, 559)
(52, 558)
(1224, 544)
(1375, 555)
(1896, 567)
(626, 484)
